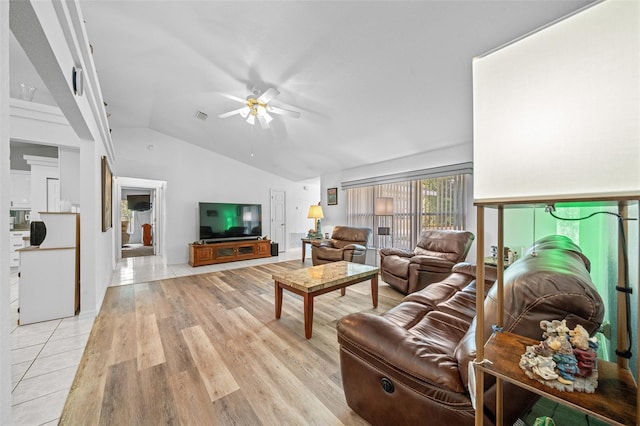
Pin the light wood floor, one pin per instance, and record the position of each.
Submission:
(207, 349)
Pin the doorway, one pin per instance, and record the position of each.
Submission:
(136, 222)
(278, 219)
(140, 212)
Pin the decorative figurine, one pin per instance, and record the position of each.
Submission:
(566, 359)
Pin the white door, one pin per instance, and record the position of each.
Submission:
(278, 209)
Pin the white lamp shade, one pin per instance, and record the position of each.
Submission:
(315, 212)
(556, 114)
(383, 206)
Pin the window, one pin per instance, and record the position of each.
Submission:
(433, 203)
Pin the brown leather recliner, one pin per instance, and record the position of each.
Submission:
(410, 365)
(437, 251)
(347, 243)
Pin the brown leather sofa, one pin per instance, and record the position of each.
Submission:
(437, 251)
(410, 364)
(347, 243)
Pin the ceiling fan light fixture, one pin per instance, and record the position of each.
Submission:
(256, 106)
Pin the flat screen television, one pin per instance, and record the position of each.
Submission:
(229, 221)
(139, 202)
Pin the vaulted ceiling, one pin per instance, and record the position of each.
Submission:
(373, 80)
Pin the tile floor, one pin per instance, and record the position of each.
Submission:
(45, 356)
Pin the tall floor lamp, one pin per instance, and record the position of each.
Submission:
(384, 208)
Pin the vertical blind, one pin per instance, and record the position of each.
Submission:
(434, 203)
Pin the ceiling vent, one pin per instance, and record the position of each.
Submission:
(201, 115)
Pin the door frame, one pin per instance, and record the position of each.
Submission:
(158, 190)
(282, 245)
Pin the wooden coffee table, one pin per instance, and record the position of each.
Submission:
(320, 279)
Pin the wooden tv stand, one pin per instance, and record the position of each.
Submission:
(228, 251)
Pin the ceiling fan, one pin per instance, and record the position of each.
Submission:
(256, 106)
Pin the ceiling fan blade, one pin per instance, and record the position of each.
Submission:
(263, 122)
(242, 111)
(234, 98)
(282, 111)
(268, 95)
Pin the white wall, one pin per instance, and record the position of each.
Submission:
(194, 174)
(54, 39)
(5, 302)
(69, 161)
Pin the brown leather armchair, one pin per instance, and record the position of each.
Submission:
(410, 364)
(436, 253)
(347, 243)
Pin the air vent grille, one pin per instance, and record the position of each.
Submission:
(201, 115)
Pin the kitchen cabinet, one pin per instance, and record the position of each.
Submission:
(16, 243)
(20, 191)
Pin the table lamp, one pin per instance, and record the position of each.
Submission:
(315, 212)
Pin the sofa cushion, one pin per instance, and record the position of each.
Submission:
(343, 235)
(424, 352)
(553, 284)
(445, 244)
(398, 266)
(465, 352)
(432, 264)
(329, 253)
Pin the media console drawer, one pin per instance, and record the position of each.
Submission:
(208, 254)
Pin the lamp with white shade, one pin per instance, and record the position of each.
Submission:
(556, 121)
(315, 213)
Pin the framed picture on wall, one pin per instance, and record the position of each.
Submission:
(332, 196)
(107, 202)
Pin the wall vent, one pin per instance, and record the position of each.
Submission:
(201, 115)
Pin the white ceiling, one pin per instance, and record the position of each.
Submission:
(373, 80)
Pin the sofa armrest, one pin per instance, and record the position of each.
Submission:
(465, 352)
(322, 244)
(430, 263)
(390, 251)
(354, 247)
(490, 272)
